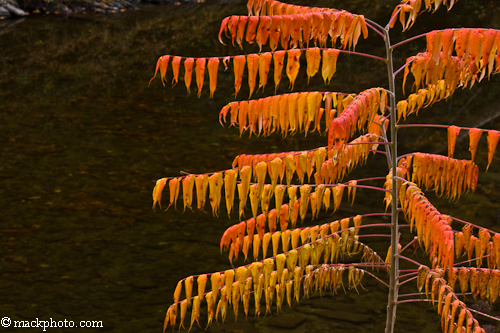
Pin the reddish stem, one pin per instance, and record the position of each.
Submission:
(408, 259)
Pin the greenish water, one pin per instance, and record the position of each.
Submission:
(84, 139)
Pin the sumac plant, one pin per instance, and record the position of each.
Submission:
(271, 192)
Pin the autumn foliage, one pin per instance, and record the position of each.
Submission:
(279, 190)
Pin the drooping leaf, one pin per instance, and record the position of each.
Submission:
(474, 136)
(264, 64)
(293, 65)
(278, 60)
(253, 68)
(188, 72)
(239, 67)
(215, 184)
(452, 139)
(313, 57)
(251, 29)
(176, 63)
(213, 68)
(329, 64)
(157, 191)
(492, 138)
(187, 190)
(200, 73)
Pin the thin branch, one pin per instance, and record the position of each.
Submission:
(465, 222)
(393, 17)
(407, 274)
(378, 279)
(376, 235)
(426, 125)
(365, 186)
(405, 155)
(472, 260)
(407, 245)
(408, 280)
(417, 37)
(484, 314)
(375, 27)
(429, 300)
(411, 294)
(402, 67)
(367, 55)
(390, 93)
(410, 260)
(408, 40)
(413, 300)
(437, 126)
(371, 178)
(371, 143)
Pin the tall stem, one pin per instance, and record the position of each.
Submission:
(394, 268)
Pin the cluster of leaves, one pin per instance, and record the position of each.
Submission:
(305, 261)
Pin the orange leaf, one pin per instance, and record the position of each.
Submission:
(274, 32)
(447, 40)
(215, 184)
(296, 29)
(452, 139)
(306, 27)
(263, 31)
(286, 26)
(158, 189)
(264, 64)
(239, 67)
(278, 67)
(253, 67)
(176, 63)
(293, 65)
(462, 42)
(200, 73)
(213, 68)
(174, 187)
(229, 188)
(187, 190)
(201, 183)
(313, 57)
(251, 29)
(489, 42)
(233, 26)
(476, 44)
(188, 72)
(474, 136)
(242, 22)
(329, 64)
(223, 27)
(492, 138)
(162, 65)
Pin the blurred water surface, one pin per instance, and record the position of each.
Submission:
(84, 139)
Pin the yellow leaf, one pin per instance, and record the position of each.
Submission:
(157, 191)
(187, 190)
(313, 57)
(229, 188)
(215, 182)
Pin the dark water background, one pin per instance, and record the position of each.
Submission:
(84, 139)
